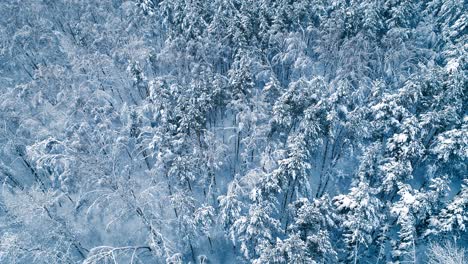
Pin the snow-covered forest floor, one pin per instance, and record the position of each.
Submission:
(233, 131)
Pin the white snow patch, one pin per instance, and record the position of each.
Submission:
(400, 138)
(452, 65)
(408, 198)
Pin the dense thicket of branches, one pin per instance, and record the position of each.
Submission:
(232, 131)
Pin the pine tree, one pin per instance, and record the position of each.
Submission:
(361, 209)
(255, 230)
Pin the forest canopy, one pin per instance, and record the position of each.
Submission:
(233, 131)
